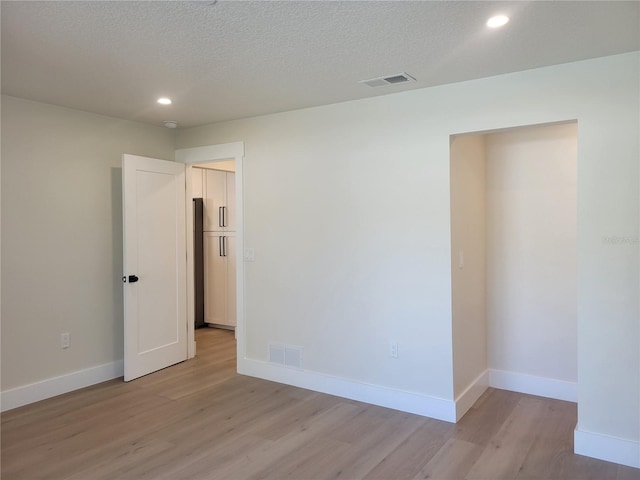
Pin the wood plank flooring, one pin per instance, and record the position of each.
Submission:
(199, 420)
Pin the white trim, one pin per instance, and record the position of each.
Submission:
(34, 392)
(417, 403)
(191, 340)
(472, 393)
(604, 447)
(212, 153)
(533, 385)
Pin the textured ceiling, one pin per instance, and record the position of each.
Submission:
(237, 59)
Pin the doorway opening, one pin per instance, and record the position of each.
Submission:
(226, 237)
(213, 198)
(513, 261)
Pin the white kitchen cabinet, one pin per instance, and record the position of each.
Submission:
(220, 278)
(219, 201)
(197, 181)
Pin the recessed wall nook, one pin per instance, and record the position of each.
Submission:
(513, 262)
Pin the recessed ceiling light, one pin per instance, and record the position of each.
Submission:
(497, 21)
(164, 101)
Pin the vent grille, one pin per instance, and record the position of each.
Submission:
(285, 355)
(389, 80)
(276, 354)
(293, 357)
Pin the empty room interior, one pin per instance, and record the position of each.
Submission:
(329, 239)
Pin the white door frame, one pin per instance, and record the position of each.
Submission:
(212, 153)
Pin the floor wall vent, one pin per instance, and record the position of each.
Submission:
(285, 355)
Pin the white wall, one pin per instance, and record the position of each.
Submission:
(62, 236)
(342, 266)
(531, 251)
(468, 287)
(352, 244)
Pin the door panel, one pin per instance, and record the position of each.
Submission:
(155, 251)
(197, 183)
(215, 279)
(214, 200)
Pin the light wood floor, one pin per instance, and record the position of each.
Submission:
(199, 420)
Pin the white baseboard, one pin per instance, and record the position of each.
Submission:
(34, 392)
(603, 447)
(417, 403)
(541, 386)
(472, 393)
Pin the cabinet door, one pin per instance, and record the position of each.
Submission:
(215, 279)
(230, 213)
(230, 240)
(197, 180)
(214, 199)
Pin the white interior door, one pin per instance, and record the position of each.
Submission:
(155, 288)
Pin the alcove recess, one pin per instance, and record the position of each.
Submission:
(513, 260)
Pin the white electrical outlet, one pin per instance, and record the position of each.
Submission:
(249, 255)
(393, 350)
(65, 340)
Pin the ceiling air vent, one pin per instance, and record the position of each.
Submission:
(389, 80)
